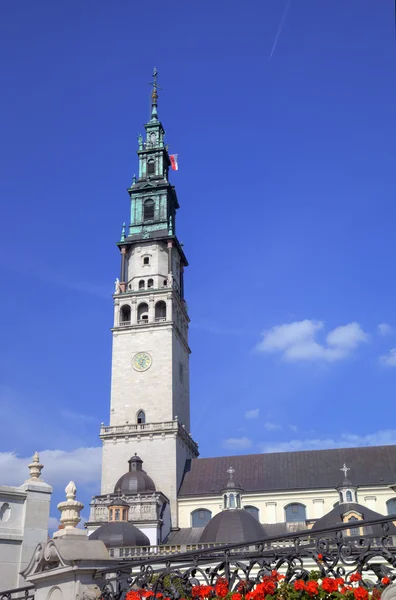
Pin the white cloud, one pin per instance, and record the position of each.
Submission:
(237, 443)
(82, 465)
(384, 329)
(271, 426)
(293, 427)
(297, 341)
(252, 414)
(389, 359)
(379, 438)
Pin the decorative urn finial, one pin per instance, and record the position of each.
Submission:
(35, 467)
(70, 510)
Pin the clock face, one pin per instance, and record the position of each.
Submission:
(142, 361)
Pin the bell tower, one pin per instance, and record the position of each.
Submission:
(150, 391)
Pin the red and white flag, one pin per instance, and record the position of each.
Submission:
(174, 164)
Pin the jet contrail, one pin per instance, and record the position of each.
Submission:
(283, 19)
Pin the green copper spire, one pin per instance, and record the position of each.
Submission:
(123, 232)
(154, 96)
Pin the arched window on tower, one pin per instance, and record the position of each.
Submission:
(295, 513)
(349, 496)
(125, 315)
(143, 313)
(148, 210)
(142, 284)
(252, 510)
(141, 417)
(160, 311)
(391, 506)
(150, 283)
(200, 517)
(151, 167)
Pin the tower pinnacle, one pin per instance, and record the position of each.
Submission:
(154, 96)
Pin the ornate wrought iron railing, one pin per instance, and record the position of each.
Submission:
(332, 552)
(21, 593)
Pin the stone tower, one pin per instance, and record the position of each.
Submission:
(150, 398)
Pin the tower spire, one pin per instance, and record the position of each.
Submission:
(154, 96)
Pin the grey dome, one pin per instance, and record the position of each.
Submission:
(335, 517)
(118, 534)
(136, 480)
(345, 483)
(232, 526)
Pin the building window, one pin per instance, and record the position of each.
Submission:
(141, 417)
(200, 517)
(143, 312)
(231, 501)
(391, 506)
(111, 516)
(252, 510)
(124, 514)
(125, 314)
(160, 311)
(349, 496)
(148, 210)
(354, 530)
(142, 284)
(117, 514)
(151, 167)
(165, 282)
(146, 260)
(295, 513)
(150, 283)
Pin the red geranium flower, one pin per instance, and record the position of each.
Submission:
(312, 588)
(320, 556)
(299, 585)
(385, 581)
(236, 597)
(221, 588)
(329, 585)
(360, 593)
(355, 577)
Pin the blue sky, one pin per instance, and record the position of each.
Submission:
(285, 129)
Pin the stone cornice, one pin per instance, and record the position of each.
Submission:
(162, 429)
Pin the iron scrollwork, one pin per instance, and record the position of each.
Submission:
(328, 552)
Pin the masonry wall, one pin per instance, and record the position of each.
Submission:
(272, 505)
(149, 390)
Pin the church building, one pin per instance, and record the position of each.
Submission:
(156, 492)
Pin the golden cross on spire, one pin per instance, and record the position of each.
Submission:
(155, 86)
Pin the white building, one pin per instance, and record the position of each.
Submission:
(24, 513)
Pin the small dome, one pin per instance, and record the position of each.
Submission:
(136, 480)
(345, 483)
(232, 526)
(120, 534)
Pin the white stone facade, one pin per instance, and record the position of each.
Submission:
(161, 388)
(272, 506)
(24, 513)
